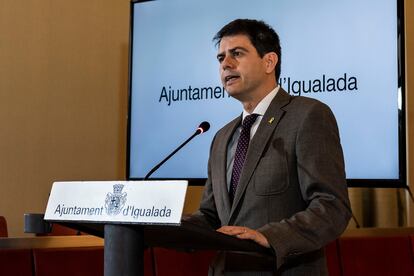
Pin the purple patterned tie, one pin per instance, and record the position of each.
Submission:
(241, 151)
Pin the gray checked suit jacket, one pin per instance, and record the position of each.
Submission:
(292, 187)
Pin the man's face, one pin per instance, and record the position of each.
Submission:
(243, 72)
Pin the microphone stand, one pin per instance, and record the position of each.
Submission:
(198, 131)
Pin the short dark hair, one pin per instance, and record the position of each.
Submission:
(261, 35)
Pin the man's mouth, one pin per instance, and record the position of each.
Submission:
(230, 79)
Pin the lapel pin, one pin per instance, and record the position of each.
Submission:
(271, 120)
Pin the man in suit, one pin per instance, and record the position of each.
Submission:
(278, 179)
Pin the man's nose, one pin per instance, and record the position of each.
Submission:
(227, 63)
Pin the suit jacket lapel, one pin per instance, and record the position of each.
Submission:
(221, 163)
(257, 145)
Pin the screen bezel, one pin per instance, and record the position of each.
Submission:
(401, 182)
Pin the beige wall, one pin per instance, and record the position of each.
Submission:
(63, 99)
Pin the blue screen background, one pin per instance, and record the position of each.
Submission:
(173, 47)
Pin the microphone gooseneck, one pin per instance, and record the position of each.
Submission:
(203, 127)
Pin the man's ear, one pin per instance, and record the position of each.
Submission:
(271, 59)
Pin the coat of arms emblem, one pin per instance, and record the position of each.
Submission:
(115, 201)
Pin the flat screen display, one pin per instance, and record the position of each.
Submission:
(343, 53)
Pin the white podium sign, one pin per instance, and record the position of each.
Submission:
(139, 202)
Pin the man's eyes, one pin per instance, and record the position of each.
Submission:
(234, 54)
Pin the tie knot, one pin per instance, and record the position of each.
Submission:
(249, 120)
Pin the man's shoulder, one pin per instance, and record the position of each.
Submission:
(303, 101)
(301, 104)
(287, 101)
(298, 109)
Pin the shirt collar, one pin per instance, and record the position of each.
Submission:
(263, 104)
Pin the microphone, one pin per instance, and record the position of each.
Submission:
(203, 127)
